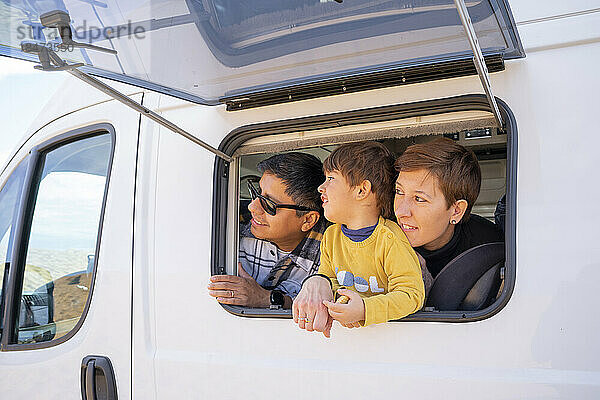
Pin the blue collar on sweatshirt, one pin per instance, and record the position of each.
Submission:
(358, 235)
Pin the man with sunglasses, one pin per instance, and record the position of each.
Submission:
(279, 247)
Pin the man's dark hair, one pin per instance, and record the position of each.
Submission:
(301, 173)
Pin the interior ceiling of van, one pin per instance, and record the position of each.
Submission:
(204, 50)
(427, 125)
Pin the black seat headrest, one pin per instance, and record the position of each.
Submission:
(464, 275)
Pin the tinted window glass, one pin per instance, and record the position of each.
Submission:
(62, 243)
(9, 200)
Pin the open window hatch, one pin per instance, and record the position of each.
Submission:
(471, 127)
(254, 53)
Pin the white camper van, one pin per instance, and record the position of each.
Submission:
(125, 197)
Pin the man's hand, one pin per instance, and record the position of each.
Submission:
(308, 309)
(351, 314)
(238, 290)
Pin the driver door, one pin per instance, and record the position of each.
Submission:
(66, 210)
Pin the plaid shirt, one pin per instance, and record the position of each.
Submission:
(275, 269)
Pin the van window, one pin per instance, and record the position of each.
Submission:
(61, 250)
(474, 129)
(9, 200)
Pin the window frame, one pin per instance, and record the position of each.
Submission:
(25, 162)
(25, 212)
(470, 102)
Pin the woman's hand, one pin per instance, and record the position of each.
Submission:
(308, 309)
(351, 314)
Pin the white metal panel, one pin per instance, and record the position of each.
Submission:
(74, 95)
(528, 10)
(542, 345)
(561, 32)
(144, 283)
(54, 373)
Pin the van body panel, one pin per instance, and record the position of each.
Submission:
(73, 96)
(538, 345)
(530, 10)
(54, 372)
(542, 344)
(560, 32)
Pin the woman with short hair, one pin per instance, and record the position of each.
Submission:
(438, 183)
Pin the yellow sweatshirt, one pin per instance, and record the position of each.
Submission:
(383, 269)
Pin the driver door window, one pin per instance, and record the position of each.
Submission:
(56, 203)
(59, 262)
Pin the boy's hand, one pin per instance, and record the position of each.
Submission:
(349, 314)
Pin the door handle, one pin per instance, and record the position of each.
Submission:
(90, 380)
(97, 379)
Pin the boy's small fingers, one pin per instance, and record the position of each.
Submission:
(337, 307)
(349, 293)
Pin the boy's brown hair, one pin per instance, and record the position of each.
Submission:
(455, 167)
(369, 161)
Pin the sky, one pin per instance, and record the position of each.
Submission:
(23, 93)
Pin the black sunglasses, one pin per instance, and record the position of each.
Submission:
(269, 205)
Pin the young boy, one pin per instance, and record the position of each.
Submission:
(367, 257)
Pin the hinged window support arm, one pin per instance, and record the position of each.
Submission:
(478, 59)
(48, 57)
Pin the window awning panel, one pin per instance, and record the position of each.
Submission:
(207, 50)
